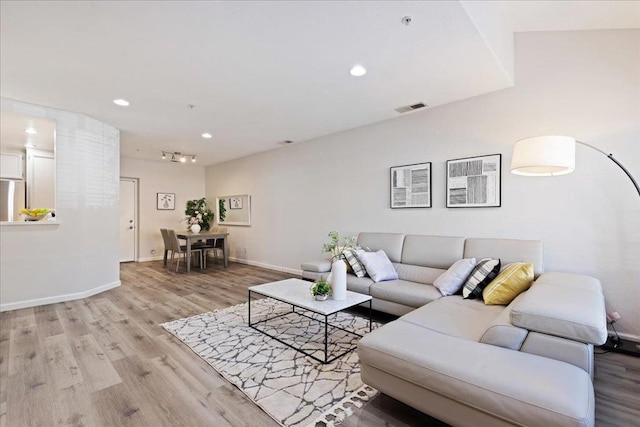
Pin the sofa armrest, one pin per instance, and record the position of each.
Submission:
(322, 266)
(565, 305)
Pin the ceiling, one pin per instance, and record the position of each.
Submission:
(13, 135)
(259, 73)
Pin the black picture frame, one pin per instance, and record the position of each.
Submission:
(474, 182)
(402, 194)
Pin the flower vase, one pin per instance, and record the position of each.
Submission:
(338, 279)
(195, 228)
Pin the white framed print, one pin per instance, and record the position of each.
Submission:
(166, 201)
(411, 186)
(235, 202)
(474, 182)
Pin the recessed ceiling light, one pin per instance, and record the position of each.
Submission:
(358, 70)
(183, 159)
(121, 102)
(207, 135)
(31, 131)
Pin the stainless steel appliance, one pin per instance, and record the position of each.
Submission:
(12, 199)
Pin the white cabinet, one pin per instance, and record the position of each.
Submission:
(11, 166)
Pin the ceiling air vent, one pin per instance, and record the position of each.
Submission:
(412, 107)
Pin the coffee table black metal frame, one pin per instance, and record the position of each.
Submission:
(326, 327)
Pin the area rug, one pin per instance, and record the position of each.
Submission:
(295, 390)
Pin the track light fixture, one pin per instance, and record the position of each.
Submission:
(177, 156)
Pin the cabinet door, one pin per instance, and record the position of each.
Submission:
(11, 166)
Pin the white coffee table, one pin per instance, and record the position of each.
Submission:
(296, 293)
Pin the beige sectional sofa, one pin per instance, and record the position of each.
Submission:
(467, 363)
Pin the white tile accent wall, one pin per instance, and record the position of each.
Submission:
(43, 264)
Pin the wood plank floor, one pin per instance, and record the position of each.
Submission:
(104, 361)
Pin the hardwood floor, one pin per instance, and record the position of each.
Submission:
(104, 361)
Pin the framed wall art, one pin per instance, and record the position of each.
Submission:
(474, 182)
(235, 202)
(411, 186)
(166, 201)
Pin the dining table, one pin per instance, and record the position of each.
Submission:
(191, 237)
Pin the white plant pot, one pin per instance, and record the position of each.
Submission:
(338, 280)
(195, 228)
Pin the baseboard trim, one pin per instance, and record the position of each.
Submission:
(267, 266)
(58, 298)
(151, 258)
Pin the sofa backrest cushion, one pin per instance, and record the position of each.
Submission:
(432, 251)
(415, 273)
(390, 243)
(508, 250)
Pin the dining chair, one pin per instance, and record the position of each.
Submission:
(212, 244)
(176, 248)
(218, 245)
(167, 244)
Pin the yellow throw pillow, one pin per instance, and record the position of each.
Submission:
(511, 281)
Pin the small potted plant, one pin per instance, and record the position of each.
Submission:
(321, 290)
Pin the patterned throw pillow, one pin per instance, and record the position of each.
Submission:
(354, 263)
(482, 274)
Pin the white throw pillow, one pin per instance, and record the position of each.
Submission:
(377, 265)
(451, 281)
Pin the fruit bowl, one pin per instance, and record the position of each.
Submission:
(34, 214)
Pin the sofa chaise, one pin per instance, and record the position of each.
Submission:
(467, 363)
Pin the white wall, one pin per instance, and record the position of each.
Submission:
(186, 181)
(583, 84)
(41, 264)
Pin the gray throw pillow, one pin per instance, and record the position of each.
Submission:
(452, 280)
(377, 265)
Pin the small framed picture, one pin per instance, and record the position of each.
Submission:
(411, 186)
(474, 182)
(166, 201)
(235, 202)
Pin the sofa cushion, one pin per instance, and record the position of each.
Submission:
(416, 273)
(321, 266)
(390, 243)
(454, 316)
(432, 251)
(513, 386)
(510, 283)
(483, 273)
(378, 265)
(403, 292)
(359, 284)
(508, 250)
(452, 280)
(557, 305)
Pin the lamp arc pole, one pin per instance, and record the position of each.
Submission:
(614, 160)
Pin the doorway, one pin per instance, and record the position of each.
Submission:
(128, 219)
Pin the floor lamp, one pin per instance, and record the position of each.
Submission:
(556, 155)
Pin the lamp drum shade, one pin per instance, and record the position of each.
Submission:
(544, 156)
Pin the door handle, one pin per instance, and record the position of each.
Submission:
(130, 221)
(131, 227)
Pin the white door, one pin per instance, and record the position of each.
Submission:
(128, 220)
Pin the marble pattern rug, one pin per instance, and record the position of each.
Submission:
(295, 390)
